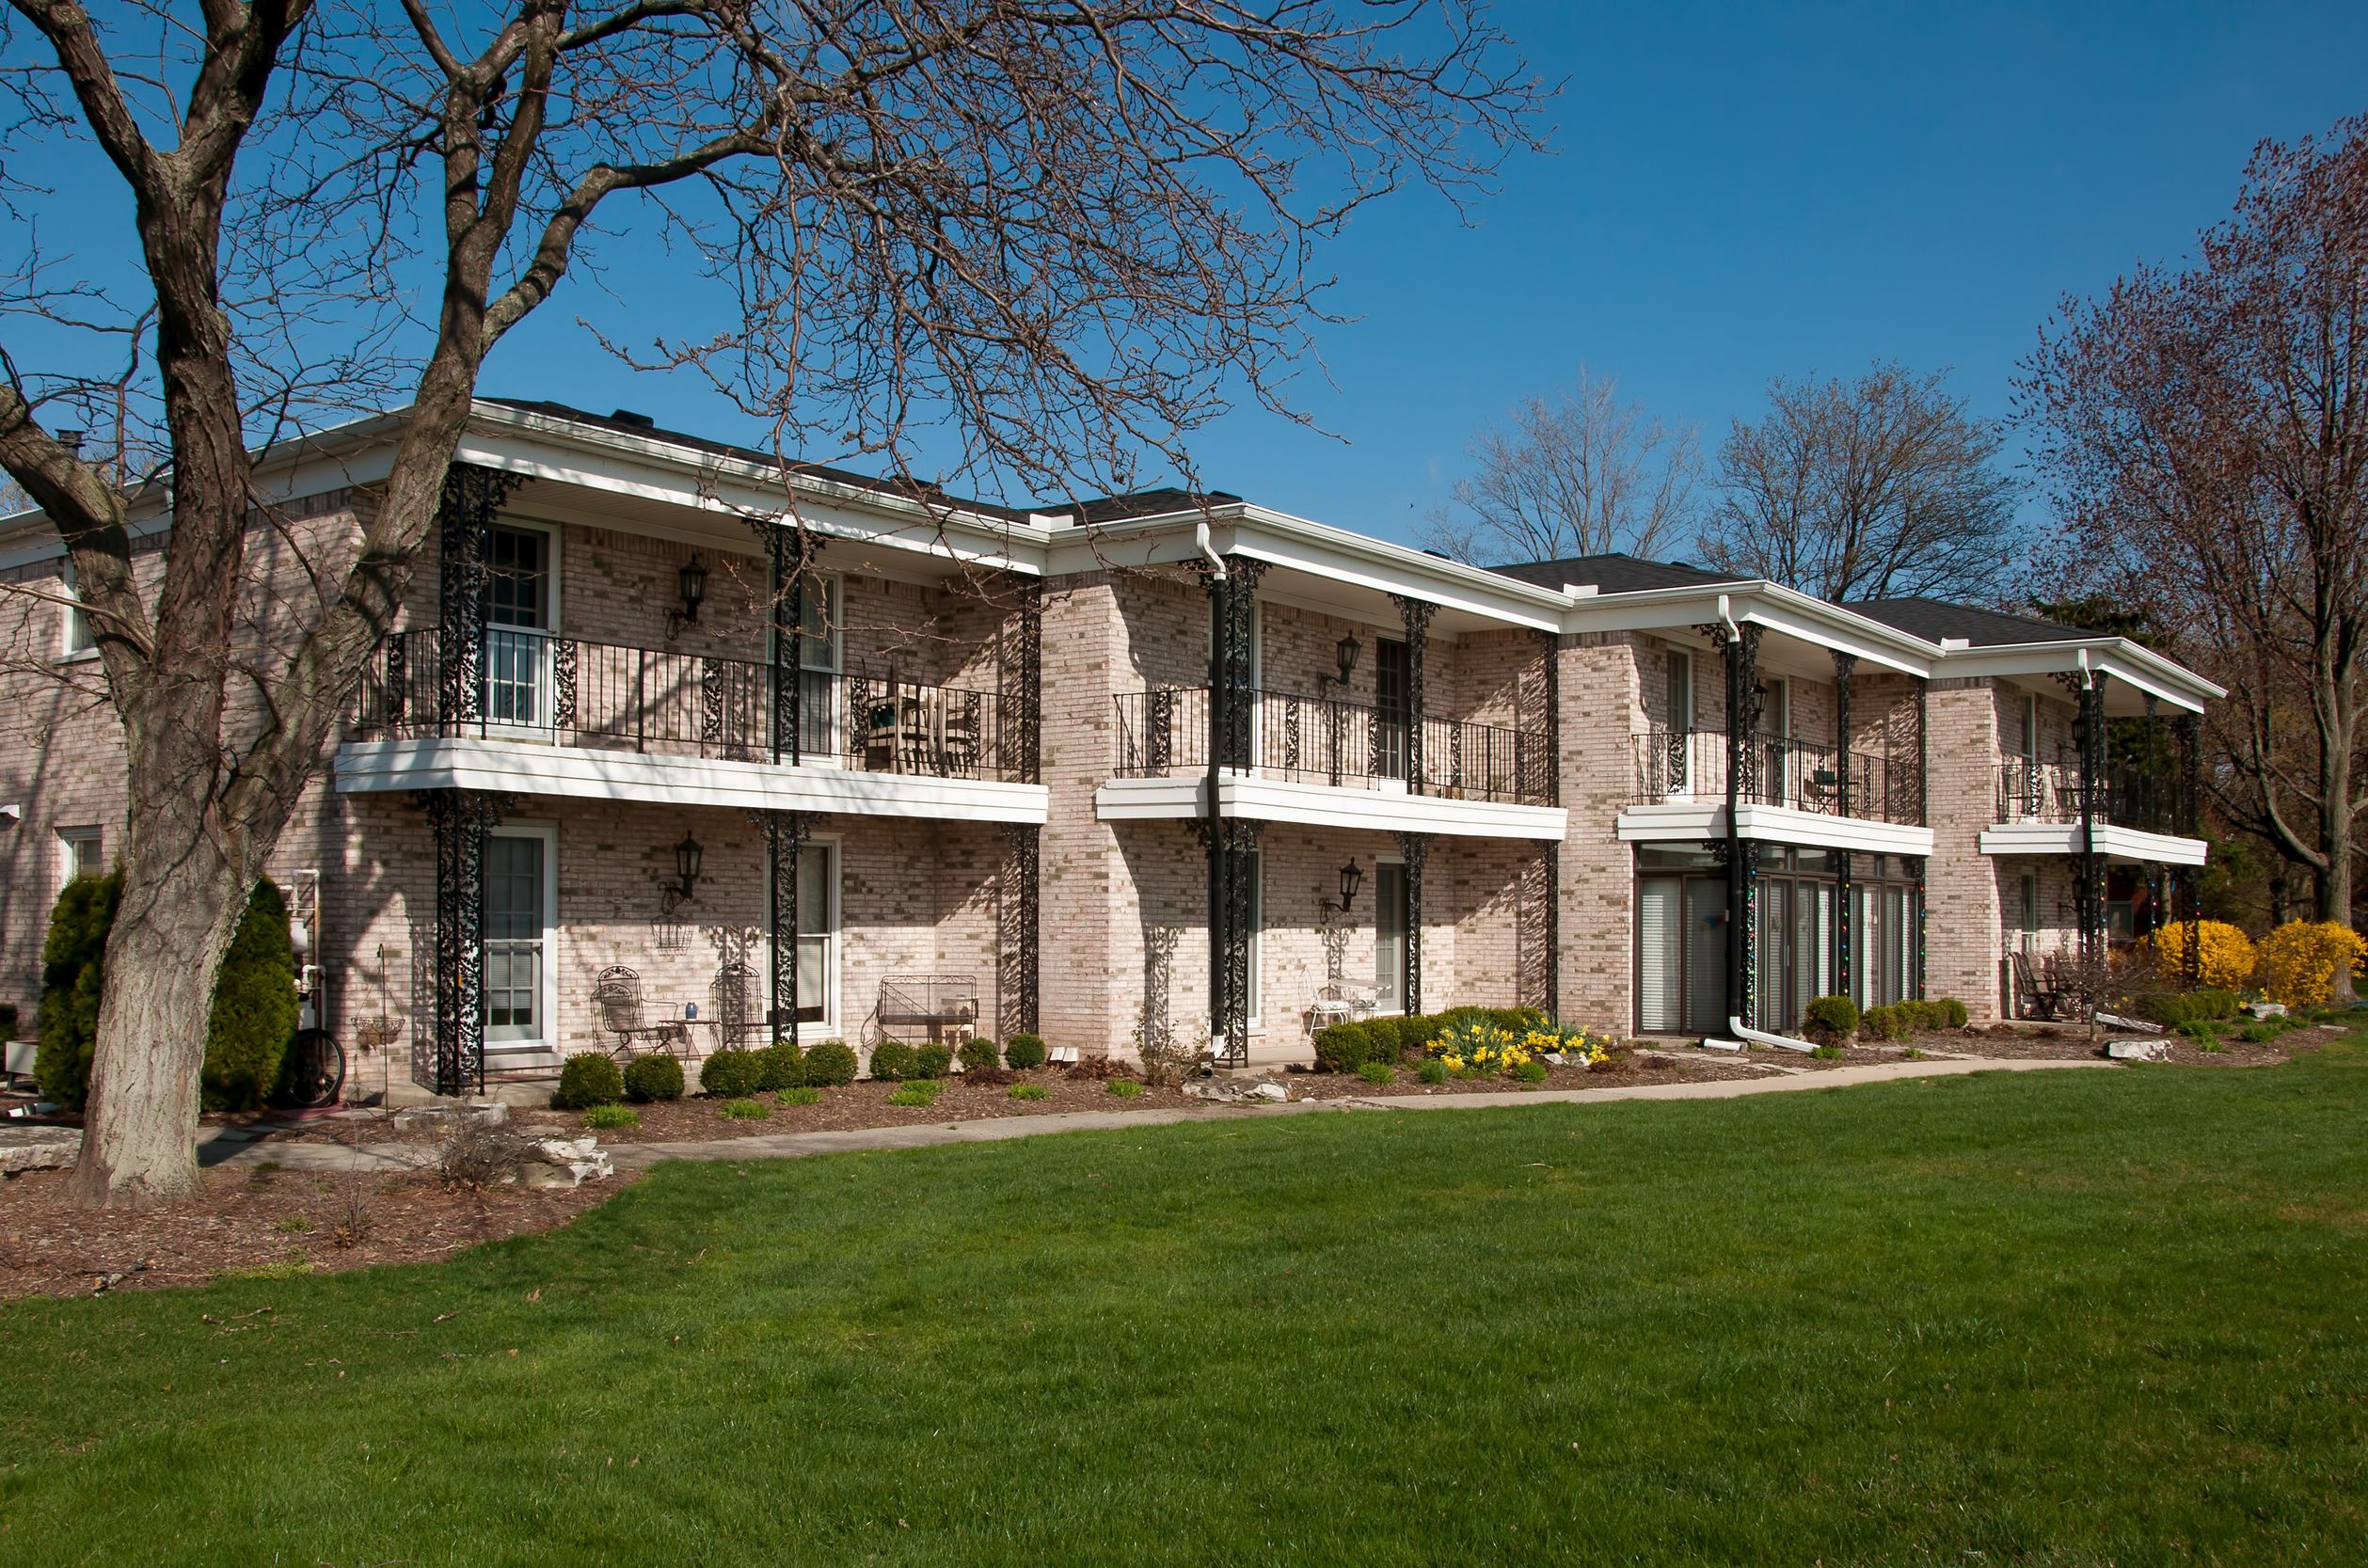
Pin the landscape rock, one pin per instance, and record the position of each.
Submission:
(24, 1148)
(565, 1162)
(2138, 1051)
(1236, 1091)
(492, 1114)
(2267, 1009)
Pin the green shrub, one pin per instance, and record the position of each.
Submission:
(1417, 1031)
(1030, 1091)
(1023, 1052)
(1830, 1018)
(1347, 1047)
(780, 1066)
(2202, 1030)
(932, 1061)
(1433, 1070)
(829, 1064)
(255, 1008)
(801, 1094)
(920, 1091)
(252, 1017)
(654, 1076)
(1894, 1023)
(892, 1062)
(1125, 1089)
(1530, 1072)
(979, 1057)
(1377, 1072)
(2258, 1034)
(1827, 1052)
(612, 1116)
(746, 1110)
(731, 1075)
(589, 1078)
(1954, 1014)
(7, 1021)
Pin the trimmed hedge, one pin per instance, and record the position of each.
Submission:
(830, 1064)
(979, 1057)
(932, 1061)
(781, 1066)
(2172, 1008)
(1023, 1052)
(589, 1078)
(1347, 1047)
(731, 1075)
(892, 1062)
(653, 1077)
(1830, 1018)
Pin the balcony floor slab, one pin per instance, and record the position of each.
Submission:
(1326, 805)
(528, 767)
(2113, 841)
(1695, 821)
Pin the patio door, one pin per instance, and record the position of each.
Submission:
(1389, 924)
(1392, 709)
(519, 620)
(822, 662)
(1660, 956)
(818, 933)
(517, 967)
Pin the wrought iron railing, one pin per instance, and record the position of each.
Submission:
(1806, 775)
(1329, 741)
(530, 686)
(2030, 790)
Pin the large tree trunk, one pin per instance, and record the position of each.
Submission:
(182, 902)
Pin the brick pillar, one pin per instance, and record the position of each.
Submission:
(1964, 930)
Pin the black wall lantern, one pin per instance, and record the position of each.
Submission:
(1351, 880)
(1346, 651)
(688, 854)
(692, 582)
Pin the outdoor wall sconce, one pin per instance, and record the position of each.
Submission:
(688, 854)
(693, 583)
(1351, 880)
(1345, 651)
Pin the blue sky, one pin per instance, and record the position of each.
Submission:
(1739, 193)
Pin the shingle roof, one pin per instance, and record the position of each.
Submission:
(1150, 503)
(634, 424)
(1612, 574)
(1934, 619)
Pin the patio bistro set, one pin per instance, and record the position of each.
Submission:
(916, 1008)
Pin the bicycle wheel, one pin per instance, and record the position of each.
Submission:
(316, 1070)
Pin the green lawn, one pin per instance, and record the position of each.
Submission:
(2058, 1317)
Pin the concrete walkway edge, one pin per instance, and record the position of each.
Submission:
(793, 1145)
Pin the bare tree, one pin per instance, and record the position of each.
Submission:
(1050, 233)
(1881, 487)
(2204, 433)
(1582, 473)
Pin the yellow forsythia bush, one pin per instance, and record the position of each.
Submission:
(2229, 958)
(2298, 959)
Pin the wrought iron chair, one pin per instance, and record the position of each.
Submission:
(616, 998)
(738, 1017)
(2037, 991)
(1335, 1003)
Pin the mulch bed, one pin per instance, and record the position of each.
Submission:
(246, 1218)
(2070, 1042)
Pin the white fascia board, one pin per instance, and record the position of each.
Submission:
(2115, 842)
(1763, 603)
(2130, 663)
(527, 767)
(1317, 548)
(1693, 821)
(1326, 806)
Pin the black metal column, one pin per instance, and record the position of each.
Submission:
(1415, 615)
(2090, 903)
(1018, 962)
(1923, 751)
(785, 833)
(1019, 677)
(1232, 702)
(790, 553)
(1742, 654)
(460, 819)
(1845, 675)
(1413, 849)
(464, 517)
(2185, 821)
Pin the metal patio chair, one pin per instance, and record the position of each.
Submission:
(616, 998)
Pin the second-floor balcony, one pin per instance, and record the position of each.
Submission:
(2031, 790)
(530, 686)
(1346, 745)
(1803, 775)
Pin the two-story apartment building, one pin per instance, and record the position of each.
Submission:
(665, 753)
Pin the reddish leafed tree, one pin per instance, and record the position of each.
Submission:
(2203, 429)
(1054, 234)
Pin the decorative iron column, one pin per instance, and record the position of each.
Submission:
(2187, 817)
(1019, 678)
(1018, 956)
(1916, 868)
(463, 518)
(1742, 655)
(785, 833)
(1413, 849)
(1845, 675)
(1232, 627)
(2090, 901)
(460, 819)
(790, 553)
(1415, 616)
(1923, 751)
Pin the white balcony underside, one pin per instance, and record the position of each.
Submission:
(1695, 821)
(525, 767)
(2116, 843)
(1326, 806)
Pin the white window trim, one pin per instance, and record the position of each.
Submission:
(1680, 657)
(545, 673)
(554, 599)
(1257, 935)
(70, 859)
(72, 617)
(548, 1003)
(1380, 859)
(829, 1026)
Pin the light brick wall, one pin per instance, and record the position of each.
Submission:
(1605, 681)
(1963, 934)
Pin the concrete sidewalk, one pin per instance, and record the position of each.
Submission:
(225, 1151)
